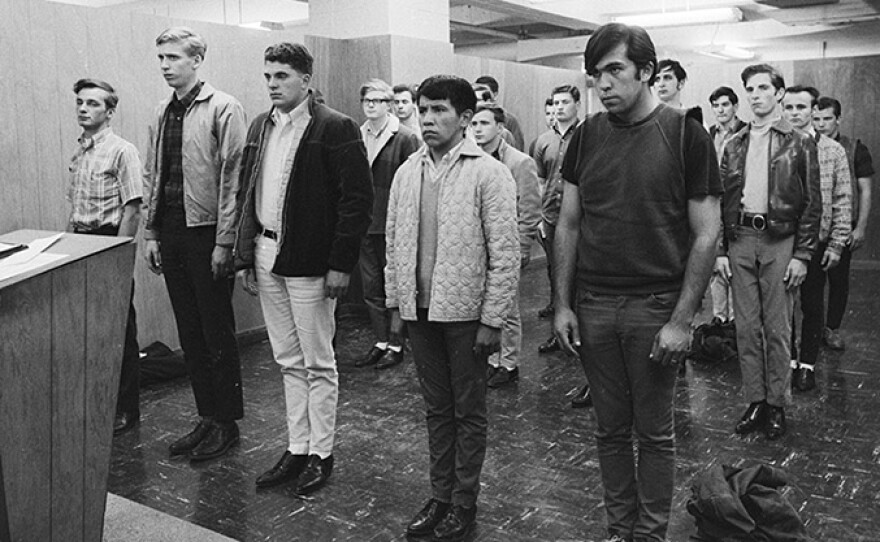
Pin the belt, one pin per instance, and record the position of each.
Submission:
(268, 233)
(756, 221)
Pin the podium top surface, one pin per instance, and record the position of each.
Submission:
(74, 246)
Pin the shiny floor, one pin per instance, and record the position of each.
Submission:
(540, 480)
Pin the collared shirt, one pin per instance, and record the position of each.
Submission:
(282, 142)
(550, 150)
(374, 140)
(105, 174)
(172, 155)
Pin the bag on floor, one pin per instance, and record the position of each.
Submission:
(159, 363)
(714, 342)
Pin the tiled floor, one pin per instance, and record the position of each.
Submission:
(541, 478)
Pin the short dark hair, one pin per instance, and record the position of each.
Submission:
(449, 87)
(639, 47)
(723, 91)
(675, 66)
(111, 100)
(827, 102)
(405, 87)
(775, 77)
(548, 101)
(294, 55)
(489, 81)
(812, 91)
(567, 89)
(497, 112)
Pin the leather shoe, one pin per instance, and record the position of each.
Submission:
(315, 475)
(428, 518)
(371, 358)
(503, 377)
(753, 419)
(289, 467)
(217, 442)
(125, 421)
(775, 422)
(456, 524)
(583, 399)
(550, 345)
(804, 379)
(389, 359)
(546, 311)
(185, 444)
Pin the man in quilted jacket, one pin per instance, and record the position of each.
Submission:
(452, 252)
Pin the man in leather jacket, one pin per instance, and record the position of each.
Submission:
(771, 212)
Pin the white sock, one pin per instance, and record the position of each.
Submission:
(382, 346)
(795, 364)
(807, 367)
(394, 347)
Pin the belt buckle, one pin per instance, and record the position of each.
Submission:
(759, 223)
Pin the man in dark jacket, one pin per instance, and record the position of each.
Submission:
(305, 205)
(389, 143)
(771, 227)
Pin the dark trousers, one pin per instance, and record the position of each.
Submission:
(372, 266)
(838, 290)
(812, 308)
(453, 382)
(631, 394)
(205, 321)
(128, 399)
(547, 240)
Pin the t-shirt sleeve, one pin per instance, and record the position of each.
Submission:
(569, 162)
(700, 162)
(862, 163)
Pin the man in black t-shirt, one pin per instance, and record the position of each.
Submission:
(635, 240)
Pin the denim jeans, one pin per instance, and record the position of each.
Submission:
(205, 321)
(300, 324)
(372, 267)
(453, 382)
(632, 395)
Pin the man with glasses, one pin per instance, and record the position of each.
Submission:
(388, 144)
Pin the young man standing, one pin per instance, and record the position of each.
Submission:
(487, 125)
(106, 183)
(405, 109)
(389, 144)
(826, 120)
(669, 82)
(305, 206)
(453, 266)
(196, 141)
(635, 242)
(725, 104)
(488, 84)
(834, 230)
(771, 225)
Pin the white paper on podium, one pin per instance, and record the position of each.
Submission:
(31, 258)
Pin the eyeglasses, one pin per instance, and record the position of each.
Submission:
(370, 101)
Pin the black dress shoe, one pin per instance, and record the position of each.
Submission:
(753, 419)
(390, 359)
(185, 444)
(125, 421)
(804, 379)
(288, 468)
(503, 377)
(456, 524)
(550, 345)
(315, 475)
(775, 422)
(546, 311)
(583, 399)
(371, 358)
(428, 518)
(217, 442)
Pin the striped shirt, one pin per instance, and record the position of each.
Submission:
(105, 174)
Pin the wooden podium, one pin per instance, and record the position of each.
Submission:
(62, 330)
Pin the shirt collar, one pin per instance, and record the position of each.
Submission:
(297, 113)
(190, 97)
(87, 143)
(378, 133)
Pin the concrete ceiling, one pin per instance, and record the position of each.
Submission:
(554, 32)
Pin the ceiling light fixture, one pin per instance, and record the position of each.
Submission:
(682, 18)
(727, 52)
(263, 25)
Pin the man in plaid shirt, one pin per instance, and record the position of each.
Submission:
(105, 197)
